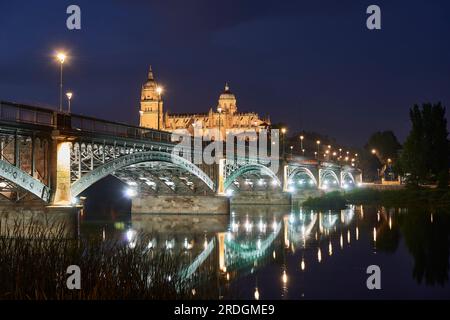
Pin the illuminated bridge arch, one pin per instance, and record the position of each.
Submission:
(23, 180)
(327, 173)
(302, 170)
(253, 167)
(138, 157)
(347, 175)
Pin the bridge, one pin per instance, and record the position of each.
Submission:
(55, 156)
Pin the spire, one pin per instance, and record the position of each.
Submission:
(227, 87)
(150, 73)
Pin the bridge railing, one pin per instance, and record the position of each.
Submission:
(89, 124)
(26, 114)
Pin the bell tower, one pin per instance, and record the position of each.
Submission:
(151, 113)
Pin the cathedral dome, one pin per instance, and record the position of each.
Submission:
(227, 94)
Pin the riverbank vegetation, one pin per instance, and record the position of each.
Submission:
(405, 197)
(34, 262)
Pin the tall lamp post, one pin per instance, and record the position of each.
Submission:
(159, 91)
(219, 110)
(283, 132)
(318, 148)
(61, 56)
(69, 98)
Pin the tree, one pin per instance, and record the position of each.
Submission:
(386, 144)
(425, 153)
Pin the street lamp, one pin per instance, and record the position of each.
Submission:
(159, 91)
(374, 151)
(301, 141)
(219, 110)
(69, 97)
(61, 56)
(318, 146)
(283, 131)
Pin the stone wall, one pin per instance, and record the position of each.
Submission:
(19, 219)
(261, 198)
(163, 204)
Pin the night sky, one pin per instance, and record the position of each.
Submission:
(311, 64)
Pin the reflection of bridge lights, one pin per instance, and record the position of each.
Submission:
(262, 226)
(330, 249)
(378, 216)
(341, 241)
(319, 255)
(348, 236)
(431, 217)
(187, 245)
(374, 234)
(274, 255)
(131, 237)
(193, 292)
(228, 276)
(170, 244)
(357, 233)
(256, 294)
(258, 244)
(248, 226)
(390, 223)
(291, 218)
(284, 277)
(302, 264)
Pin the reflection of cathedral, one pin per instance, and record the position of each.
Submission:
(225, 119)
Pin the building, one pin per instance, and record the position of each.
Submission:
(225, 119)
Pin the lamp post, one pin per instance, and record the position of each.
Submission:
(301, 141)
(159, 91)
(219, 110)
(61, 56)
(283, 131)
(69, 98)
(318, 148)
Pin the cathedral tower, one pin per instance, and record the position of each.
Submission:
(151, 113)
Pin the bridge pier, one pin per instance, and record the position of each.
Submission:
(180, 204)
(60, 169)
(34, 213)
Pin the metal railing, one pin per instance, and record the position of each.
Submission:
(26, 114)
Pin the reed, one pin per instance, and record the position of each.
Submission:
(34, 259)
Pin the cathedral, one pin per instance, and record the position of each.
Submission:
(213, 125)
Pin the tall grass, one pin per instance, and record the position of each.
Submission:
(34, 259)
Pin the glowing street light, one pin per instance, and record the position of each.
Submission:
(61, 57)
(301, 141)
(374, 151)
(159, 91)
(318, 146)
(69, 98)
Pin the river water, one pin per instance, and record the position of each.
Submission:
(290, 252)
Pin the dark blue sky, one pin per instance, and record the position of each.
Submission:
(311, 64)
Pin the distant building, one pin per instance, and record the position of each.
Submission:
(225, 118)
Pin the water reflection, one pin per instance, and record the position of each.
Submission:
(265, 252)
